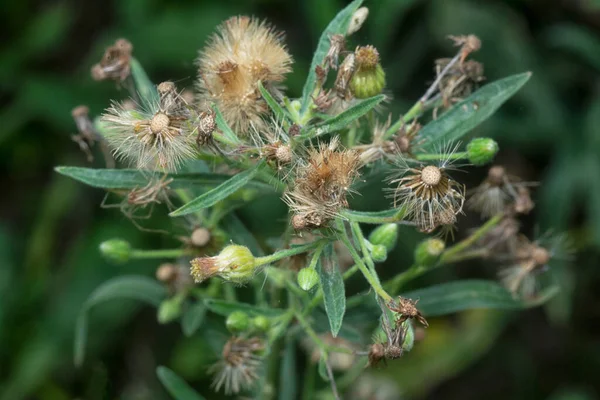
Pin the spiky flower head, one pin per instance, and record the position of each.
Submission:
(428, 195)
(322, 184)
(243, 52)
(234, 263)
(239, 366)
(156, 134)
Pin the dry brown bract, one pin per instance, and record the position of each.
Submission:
(243, 52)
(407, 309)
(114, 63)
(239, 366)
(459, 81)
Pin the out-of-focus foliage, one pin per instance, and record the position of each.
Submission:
(50, 227)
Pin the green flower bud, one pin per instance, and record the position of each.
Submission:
(237, 321)
(368, 79)
(409, 338)
(481, 151)
(307, 278)
(169, 310)
(116, 250)
(261, 323)
(234, 264)
(428, 252)
(386, 234)
(379, 253)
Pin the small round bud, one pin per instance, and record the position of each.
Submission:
(298, 222)
(409, 336)
(116, 250)
(428, 252)
(481, 151)
(369, 78)
(283, 154)
(386, 235)
(379, 253)
(307, 278)
(200, 237)
(237, 321)
(261, 323)
(166, 272)
(169, 310)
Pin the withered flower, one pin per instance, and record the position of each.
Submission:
(239, 366)
(407, 309)
(114, 63)
(459, 81)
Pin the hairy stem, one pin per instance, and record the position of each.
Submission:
(281, 254)
(166, 253)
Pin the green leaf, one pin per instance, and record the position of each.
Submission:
(144, 86)
(472, 111)
(456, 296)
(140, 288)
(332, 284)
(224, 308)
(193, 318)
(280, 113)
(322, 368)
(219, 193)
(374, 217)
(175, 385)
(345, 118)
(338, 25)
(288, 375)
(224, 127)
(133, 178)
(240, 234)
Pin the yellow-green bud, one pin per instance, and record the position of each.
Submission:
(169, 310)
(234, 264)
(379, 253)
(307, 278)
(386, 234)
(261, 323)
(409, 338)
(237, 322)
(369, 78)
(116, 250)
(481, 151)
(428, 252)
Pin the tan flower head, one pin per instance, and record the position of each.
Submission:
(241, 53)
(239, 366)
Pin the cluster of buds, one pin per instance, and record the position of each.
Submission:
(115, 63)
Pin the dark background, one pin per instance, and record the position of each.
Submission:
(51, 226)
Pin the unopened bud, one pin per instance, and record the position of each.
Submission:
(237, 321)
(116, 250)
(200, 237)
(169, 310)
(234, 264)
(481, 151)
(166, 272)
(386, 235)
(307, 278)
(369, 78)
(261, 323)
(428, 252)
(379, 253)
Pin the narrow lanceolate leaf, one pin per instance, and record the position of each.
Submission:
(456, 296)
(288, 375)
(192, 318)
(229, 134)
(219, 193)
(124, 287)
(472, 111)
(224, 308)
(279, 112)
(345, 118)
(133, 178)
(175, 385)
(240, 234)
(332, 284)
(144, 86)
(339, 25)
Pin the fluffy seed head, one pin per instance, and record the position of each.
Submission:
(239, 366)
(241, 53)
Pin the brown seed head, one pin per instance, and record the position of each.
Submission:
(540, 255)
(431, 175)
(376, 354)
(283, 154)
(393, 352)
(166, 273)
(165, 87)
(159, 123)
(496, 175)
(200, 237)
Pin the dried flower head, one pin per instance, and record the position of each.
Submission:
(344, 75)
(158, 134)
(407, 309)
(114, 63)
(467, 43)
(239, 366)
(498, 192)
(337, 44)
(459, 81)
(322, 184)
(427, 194)
(243, 52)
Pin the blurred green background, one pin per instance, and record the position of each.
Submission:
(51, 226)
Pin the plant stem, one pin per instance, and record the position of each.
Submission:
(357, 232)
(313, 335)
(166, 253)
(378, 217)
(413, 113)
(281, 254)
(431, 156)
(468, 242)
(374, 282)
(438, 79)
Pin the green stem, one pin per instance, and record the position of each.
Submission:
(166, 253)
(439, 156)
(281, 254)
(377, 217)
(416, 110)
(313, 335)
(468, 242)
(374, 282)
(357, 232)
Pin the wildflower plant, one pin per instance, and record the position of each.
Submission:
(315, 152)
